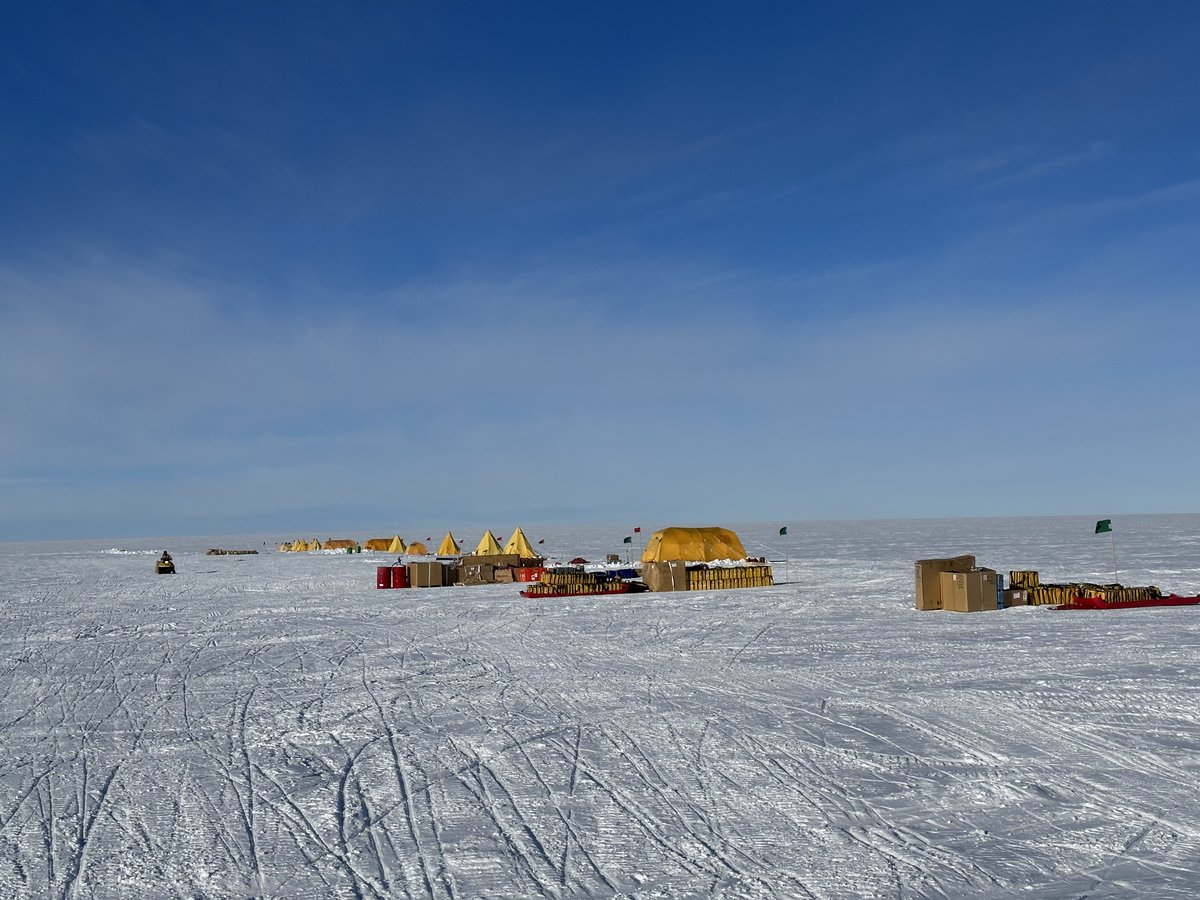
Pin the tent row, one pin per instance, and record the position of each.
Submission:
(488, 545)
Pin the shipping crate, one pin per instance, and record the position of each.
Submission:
(670, 575)
(426, 574)
(928, 578)
(1016, 597)
(974, 591)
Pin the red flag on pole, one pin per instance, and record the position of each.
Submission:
(637, 530)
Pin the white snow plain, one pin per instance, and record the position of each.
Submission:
(274, 726)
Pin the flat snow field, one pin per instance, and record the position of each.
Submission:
(274, 726)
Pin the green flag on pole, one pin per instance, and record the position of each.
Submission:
(783, 531)
(628, 540)
(1103, 525)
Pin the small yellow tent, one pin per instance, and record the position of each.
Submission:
(449, 546)
(285, 547)
(487, 545)
(299, 545)
(396, 546)
(314, 544)
(416, 548)
(519, 545)
(693, 545)
(377, 544)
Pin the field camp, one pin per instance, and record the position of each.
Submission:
(770, 714)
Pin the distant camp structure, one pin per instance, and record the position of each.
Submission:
(491, 564)
(700, 559)
(302, 546)
(449, 546)
(416, 548)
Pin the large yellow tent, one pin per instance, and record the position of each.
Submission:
(519, 545)
(377, 544)
(396, 546)
(487, 545)
(338, 543)
(449, 546)
(416, 548)
(693, 545)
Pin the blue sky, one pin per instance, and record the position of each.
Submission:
(315, 269)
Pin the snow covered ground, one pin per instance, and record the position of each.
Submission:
(273, 725)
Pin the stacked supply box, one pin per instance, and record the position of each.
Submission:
(670, 575)
(1024, 578)
(426, 574)
(567, 582)
(928, 577)
(722, 578)
(1016, 597)
(477, 573)
(973, 591)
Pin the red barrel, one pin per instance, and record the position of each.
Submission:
(399, 577)
(383, 577)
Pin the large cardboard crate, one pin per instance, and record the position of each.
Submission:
(669, 575)
(974, 591)
(426, 574)
(503, 575)
(477, 573)
(928, 576)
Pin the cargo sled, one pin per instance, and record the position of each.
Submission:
(1101, 603)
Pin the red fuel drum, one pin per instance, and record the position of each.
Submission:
(383, 577)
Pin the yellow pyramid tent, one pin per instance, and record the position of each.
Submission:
(416, 548)
(299, 544)
(693, 545)
(487, 545)
(449, 546)
(314, 544)
(519, 545)
(285, 547)
(396, 546)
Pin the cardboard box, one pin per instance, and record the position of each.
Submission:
(974, 591)
(928, 576)
(1016, 597)
(670, 575)
(477, 573)
(426, 574)
(503, 575)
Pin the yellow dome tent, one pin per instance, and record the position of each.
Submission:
(487, 545)
(519, 545)
(693, 545)
(338, 543)
(449, 546)
(377, 544)
(285, 547)
(396, 546)
(416, 548)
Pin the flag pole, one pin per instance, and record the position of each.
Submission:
(1112, 534)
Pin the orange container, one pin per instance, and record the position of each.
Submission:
(529, 573)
